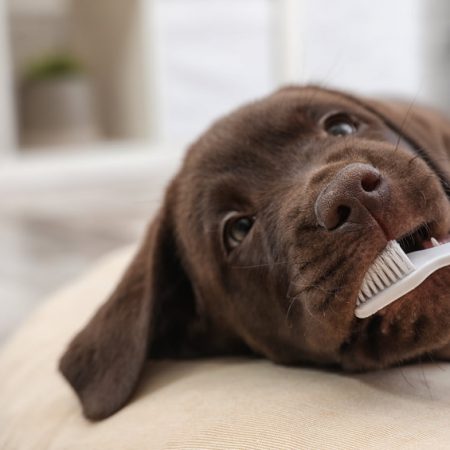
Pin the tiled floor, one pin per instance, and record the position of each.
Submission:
(50, 237)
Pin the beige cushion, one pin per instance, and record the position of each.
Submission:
(211, 404)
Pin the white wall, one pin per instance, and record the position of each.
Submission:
(436, 51)
(216, 55)
(367, 46)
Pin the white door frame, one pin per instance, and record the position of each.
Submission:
(7, 111)
(288, 31)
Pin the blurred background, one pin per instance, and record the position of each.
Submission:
(96, 96)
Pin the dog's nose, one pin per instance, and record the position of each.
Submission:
(355, 195)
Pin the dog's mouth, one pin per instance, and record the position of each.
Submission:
(391, 275)
(421, 238)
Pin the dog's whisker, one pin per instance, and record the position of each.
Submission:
(308, 228)
(293, 300)
(405, 119)
(310, 287)
(302, 264)
(289, 296)
(289, 292)
(329, 272)
(414, 159)
(320, 281)
(408, 382)
(424, 378)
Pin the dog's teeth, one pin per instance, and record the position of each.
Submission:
(434, 242)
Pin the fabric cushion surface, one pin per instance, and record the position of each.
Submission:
(210, 404)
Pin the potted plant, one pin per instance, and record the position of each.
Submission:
(57, 105)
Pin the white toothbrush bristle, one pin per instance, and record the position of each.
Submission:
(389, 267)
(394, 273)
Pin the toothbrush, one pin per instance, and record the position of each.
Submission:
(395, 273)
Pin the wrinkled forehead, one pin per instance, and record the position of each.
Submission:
(260, 139)
(259, 131)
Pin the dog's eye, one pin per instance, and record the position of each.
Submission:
(236, 229)
(340, 125)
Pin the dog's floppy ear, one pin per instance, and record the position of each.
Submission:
(104, 361)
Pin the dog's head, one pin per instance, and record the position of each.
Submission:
(264, 238)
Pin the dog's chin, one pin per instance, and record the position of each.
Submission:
(414, 326)
(419, 322)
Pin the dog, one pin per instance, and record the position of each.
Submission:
(263, 240)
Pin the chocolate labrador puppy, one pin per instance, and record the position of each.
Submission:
(264, 238)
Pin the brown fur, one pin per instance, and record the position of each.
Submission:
(288, 291)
